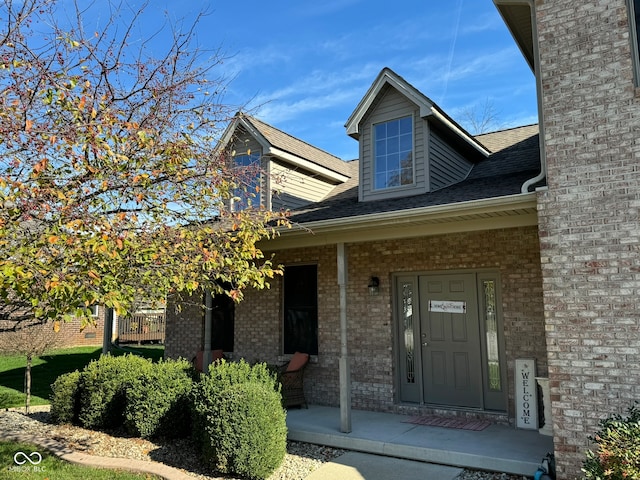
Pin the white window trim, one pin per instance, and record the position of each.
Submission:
(408, 186)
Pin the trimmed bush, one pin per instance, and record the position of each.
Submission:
(618, 453)
(158, 402)
(102, 389)
(239, 420)
(64, 398)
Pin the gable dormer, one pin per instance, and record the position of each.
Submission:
(291, 173)
(407, 144)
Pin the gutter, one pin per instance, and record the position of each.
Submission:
(396, 217)
(463, 216)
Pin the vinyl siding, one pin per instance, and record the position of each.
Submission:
(447, 166)
(392, 105)
(295, 188)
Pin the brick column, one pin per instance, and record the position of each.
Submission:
(589, 218)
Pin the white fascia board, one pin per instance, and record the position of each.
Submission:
(463, 135)
(307, 165)
(386, 76)
(230, 131)
(435, 220)
(426, 106)
(264, 143)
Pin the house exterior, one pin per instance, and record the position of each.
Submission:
(412, 275)
(421, 272)
(71, 333)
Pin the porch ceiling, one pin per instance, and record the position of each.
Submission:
(487, 214)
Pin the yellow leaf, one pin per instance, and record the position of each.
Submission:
(28, 124)
(53, 239)
(56, 326)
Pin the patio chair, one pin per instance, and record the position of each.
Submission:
(291, 377)
(198, 359)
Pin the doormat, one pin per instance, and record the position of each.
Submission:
(447, 422)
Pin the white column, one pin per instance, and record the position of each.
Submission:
(345, 368)
(547, 428)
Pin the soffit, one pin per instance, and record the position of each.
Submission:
(518, 17)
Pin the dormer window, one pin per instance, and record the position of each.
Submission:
(393, 153)
(248, 177)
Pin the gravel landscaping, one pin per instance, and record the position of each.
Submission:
(300, 461)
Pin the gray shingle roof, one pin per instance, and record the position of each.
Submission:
(295, 146)
(515, 160)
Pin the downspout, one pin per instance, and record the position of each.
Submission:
(345, 368)
(536, 60)
(208, 322)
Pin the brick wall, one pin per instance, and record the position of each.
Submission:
(589, 228)
(70, 334)
(514, 253)
(184, 334)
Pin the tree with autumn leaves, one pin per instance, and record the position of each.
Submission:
(112, 187)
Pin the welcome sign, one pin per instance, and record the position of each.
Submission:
(526, 394)
(447, 306)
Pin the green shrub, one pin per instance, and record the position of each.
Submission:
(102, 389)
(239, 420)
(158, 402)
(64, 398)
(618, 453)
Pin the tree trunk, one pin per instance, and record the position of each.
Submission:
(27, 382)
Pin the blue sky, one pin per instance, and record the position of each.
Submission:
(304, 66)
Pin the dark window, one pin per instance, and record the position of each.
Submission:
(301, 309)
(222, 323)
(634, 10)
(248, 176)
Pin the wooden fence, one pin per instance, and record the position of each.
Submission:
(142, 327)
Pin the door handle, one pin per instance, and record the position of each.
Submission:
(424, 344)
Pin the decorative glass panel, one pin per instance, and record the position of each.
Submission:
(407, 316)
(491, 328)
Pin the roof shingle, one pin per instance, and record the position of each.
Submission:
(295, 146)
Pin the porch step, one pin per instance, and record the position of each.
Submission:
(497, 448)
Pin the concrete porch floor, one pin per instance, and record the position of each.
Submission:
(497, 448)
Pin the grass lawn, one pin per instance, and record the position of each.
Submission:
(52, 468)
(47, 368)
